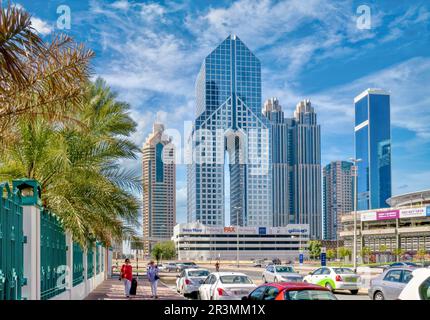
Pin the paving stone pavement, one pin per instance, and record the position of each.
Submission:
(113, 289)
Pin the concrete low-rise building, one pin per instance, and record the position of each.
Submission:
(195, 241)
(405, 225)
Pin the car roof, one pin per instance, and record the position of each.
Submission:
(229, 274)
(295, 286)
(196, 269)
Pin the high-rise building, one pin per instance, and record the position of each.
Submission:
(337, 196)
(281, 159)
(373, 147)
(229, 125)
(306, 152)
(159, 188)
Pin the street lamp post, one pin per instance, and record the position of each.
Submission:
(237, 235)
(355, 174)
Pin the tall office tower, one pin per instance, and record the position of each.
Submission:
(229, 122)
(373, 147)
(159, 188)
(307, 168)
(272, 110)
(337, 196)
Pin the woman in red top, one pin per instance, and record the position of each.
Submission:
(127, 276)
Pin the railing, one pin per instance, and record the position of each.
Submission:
(78, 264)
(90, 262)
(11, 244)
(53, 257)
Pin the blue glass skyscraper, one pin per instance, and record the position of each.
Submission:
(373, 147)
(229, 121)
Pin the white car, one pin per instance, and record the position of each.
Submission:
(418, 288)
(226, 286)
(189, 280)
(335, 279)
(279, 273)
(161, 267)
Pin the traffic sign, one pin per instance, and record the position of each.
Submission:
(301, 258)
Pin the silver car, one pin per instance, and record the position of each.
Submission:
(279, 273)
(389, 284)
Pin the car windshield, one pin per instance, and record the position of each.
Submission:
(234, 279)
(198, 273)
(411, 264)
(188, 263)
(309, 295)
(284, 269)
(343, 271)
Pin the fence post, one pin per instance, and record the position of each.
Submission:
(69, 261)
(31, 202)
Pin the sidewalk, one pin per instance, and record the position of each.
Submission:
(113, 289)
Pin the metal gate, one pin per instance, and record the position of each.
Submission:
(53, 255)
(11, 244)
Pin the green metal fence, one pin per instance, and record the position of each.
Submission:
(11, 244)
(98, 252)
(90, 262)
(78, 264)
(53, 258)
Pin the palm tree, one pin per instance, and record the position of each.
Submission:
(37, 78)
(77, 165)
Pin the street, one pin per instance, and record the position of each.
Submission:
(255, 273)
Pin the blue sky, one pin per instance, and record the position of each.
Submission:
(150, 53)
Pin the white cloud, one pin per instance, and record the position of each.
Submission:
(121, 4)
(41, 26)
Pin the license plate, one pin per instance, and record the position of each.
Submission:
(240, 292)
(351, 280)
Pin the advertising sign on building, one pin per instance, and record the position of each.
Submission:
(368, 216)
(229, 229)
(428, 211)
(413, 212)
(387, 215)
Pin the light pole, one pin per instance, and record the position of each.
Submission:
(355, 174)
(237, 235)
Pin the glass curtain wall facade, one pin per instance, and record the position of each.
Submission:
(337, 196)
(229, 120)
(281, 154)
(159, 188)
(306, 153)
(373, 147)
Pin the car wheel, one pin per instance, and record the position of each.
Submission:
(198, 296)
(354, 291)
(378, 296)
(328, 286)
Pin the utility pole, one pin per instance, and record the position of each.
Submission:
(355, 175)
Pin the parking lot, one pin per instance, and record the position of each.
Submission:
(255, 273)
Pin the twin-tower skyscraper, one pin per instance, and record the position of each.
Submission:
(273, 163)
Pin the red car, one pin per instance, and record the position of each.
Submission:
(290, 291)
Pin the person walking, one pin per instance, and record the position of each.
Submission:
(126, 276)
(152, 274)
(217, 266)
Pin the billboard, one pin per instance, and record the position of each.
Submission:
(368, 216)
(387, 215)
(413, 212)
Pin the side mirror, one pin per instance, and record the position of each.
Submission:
(310, 273)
